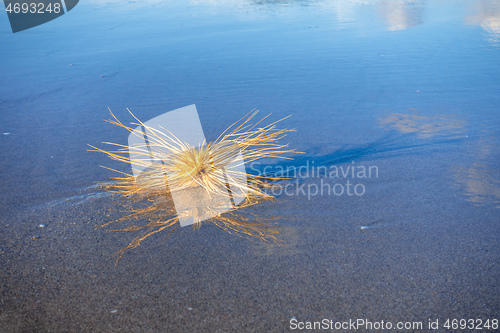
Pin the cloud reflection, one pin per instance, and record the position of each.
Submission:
(424, 127)
(401, 14)
(480, 181)
(488, 18)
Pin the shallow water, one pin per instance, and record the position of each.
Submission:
(409, 87)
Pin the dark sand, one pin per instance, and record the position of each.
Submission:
(414, 93)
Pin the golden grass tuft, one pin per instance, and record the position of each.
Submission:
(212, 169)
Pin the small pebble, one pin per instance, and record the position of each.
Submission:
(114, 311)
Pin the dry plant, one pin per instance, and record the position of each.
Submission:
(206, 174)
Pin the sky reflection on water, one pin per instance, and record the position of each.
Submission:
(394, 15)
